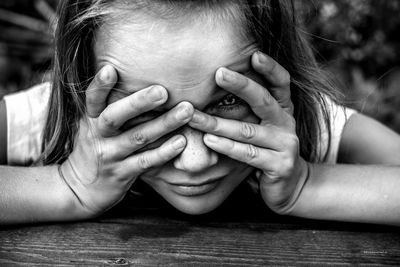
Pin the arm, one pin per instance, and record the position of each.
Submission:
(35, 194)
(354, 192)
(30, 194)
(105, 161)
(357, 193)
(288, 184)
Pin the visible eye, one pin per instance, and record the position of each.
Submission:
(230, 106)
(229, 100)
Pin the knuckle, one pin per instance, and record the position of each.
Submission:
(251, 152)
(287, 165)
(138, 138)
(245, 81)
(267, 98)
(247, 130)
(144, 162)
(292, 142)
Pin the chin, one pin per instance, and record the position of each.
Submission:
(200, 204)
(195, 209)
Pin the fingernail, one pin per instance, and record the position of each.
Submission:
(183, 113)
(198, 118)
(226, 75)
(104, 74)
(212, 138)
(156, 93)
(179, 142)
(261, 57)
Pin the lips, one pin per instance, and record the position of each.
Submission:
(209, 181)
(195, 189)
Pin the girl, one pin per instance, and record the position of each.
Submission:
(192, 98)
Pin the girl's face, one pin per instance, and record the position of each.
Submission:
(183, 57)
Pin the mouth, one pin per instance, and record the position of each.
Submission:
(196, 189)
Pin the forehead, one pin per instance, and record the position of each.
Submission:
(181, 57)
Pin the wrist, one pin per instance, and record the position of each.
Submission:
(74, 206)
(288, 206)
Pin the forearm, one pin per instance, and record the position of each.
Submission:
(35, 194)
(359, 193)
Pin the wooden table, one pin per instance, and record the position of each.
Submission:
(233, 236)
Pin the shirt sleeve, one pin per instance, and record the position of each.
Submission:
(339, 115)
(26, 117)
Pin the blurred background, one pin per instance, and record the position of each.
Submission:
(358, 41)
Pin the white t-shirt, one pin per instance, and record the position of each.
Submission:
(27, 112)
(26, 117)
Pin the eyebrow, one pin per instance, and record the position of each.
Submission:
(242, 65)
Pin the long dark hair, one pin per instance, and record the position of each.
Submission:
(272, 24)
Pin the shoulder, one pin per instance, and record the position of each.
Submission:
(26, 117)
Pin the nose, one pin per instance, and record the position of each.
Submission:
(196, 156)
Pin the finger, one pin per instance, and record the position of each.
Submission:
(146, 133)
(117, 113)
(259, 99)
(145, 117)
(252, 155)
(99, 89)
(139, 163)
(277, 77)
(266, 136)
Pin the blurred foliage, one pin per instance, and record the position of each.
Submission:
(357, 40)
(363, 33)
(25, 42)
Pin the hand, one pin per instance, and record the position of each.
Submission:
(106, 160)
(271, 146)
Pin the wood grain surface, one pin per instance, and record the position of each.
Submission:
(236, 236)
